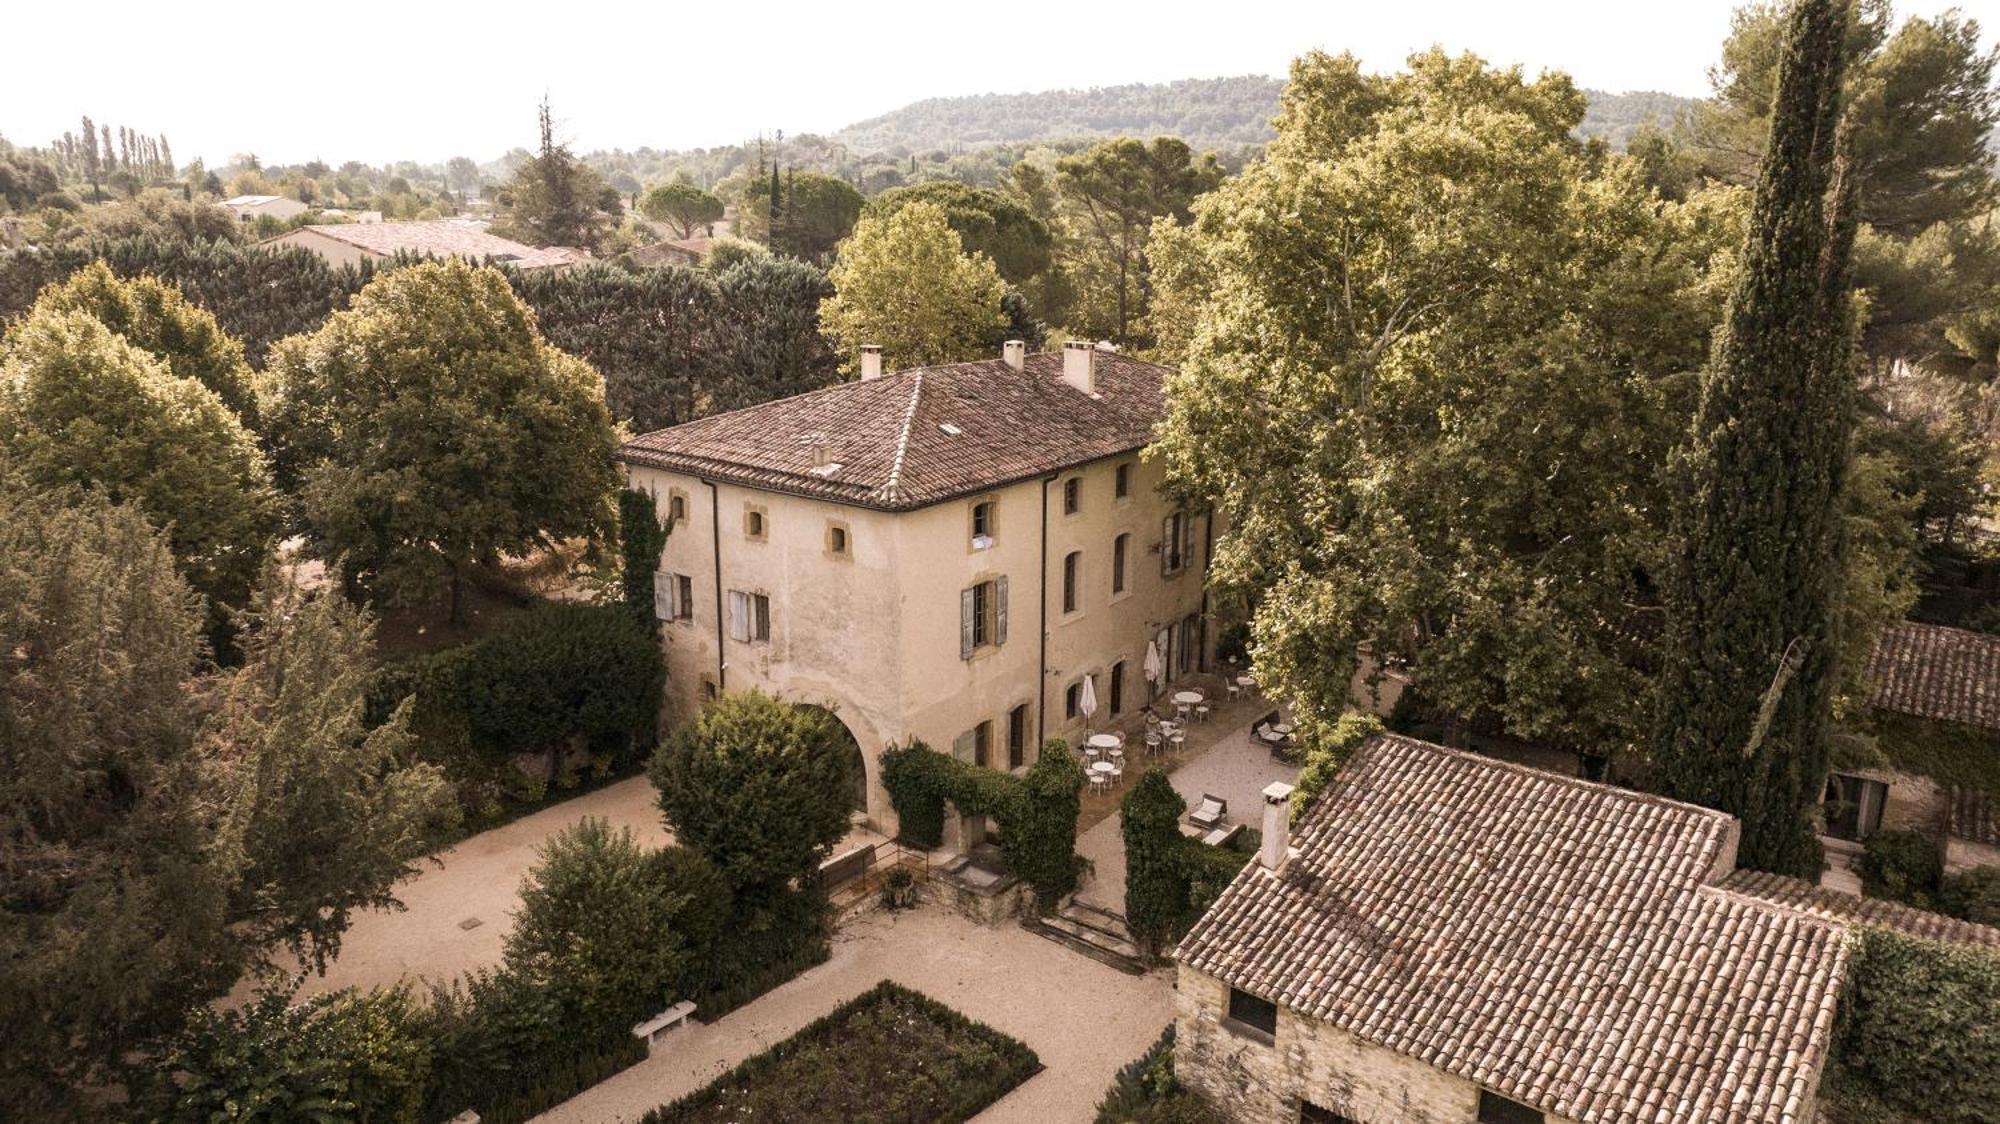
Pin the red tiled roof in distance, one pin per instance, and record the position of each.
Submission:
(1835, 905)
(1929, 671)
(444, 238)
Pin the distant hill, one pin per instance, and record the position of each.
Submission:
(1209, 113)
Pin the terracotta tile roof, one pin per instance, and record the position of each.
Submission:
(1833, 905)
(1553, 940)
(1969, 816)
(1930, 671)
(444, 238)
(922, 436)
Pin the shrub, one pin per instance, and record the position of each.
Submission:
(1917, 1031)
(887, 1056)
(1327, 754)
(641, 537)
(1973, 895)
(564, 670)
(342, 1056)
(1156, 882)
(1901, 865)
(1147, 1092)
(1036, 814)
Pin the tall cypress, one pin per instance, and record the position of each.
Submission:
(1746, 699)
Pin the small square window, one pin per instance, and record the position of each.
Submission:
(1248, 1010)
(982, 524)
(1072, 495)
(677, 507)
(836, 539)
(754, 523)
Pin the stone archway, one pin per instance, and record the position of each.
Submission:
(857, 760)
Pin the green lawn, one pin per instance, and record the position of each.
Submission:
(888, 1056)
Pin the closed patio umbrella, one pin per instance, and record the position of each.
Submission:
(1087, 701)
(1153, 663)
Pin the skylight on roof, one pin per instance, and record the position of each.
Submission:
(949, 430)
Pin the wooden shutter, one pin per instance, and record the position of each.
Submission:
(1167, 545)
(664, 589)
(763, 604)
(961, 747)
(739, 616)
(1000, 609)
(1187, 540)
(967, 608)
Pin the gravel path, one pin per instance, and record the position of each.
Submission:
(1085, 1020)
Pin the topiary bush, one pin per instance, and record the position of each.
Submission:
(1903, 866)
(1156, 881)
(1918, 1033)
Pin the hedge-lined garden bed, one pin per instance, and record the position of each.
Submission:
(888, 1056)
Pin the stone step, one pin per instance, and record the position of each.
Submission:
(1104, 921)
(1102, 947)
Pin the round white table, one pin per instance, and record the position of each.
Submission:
(1245, 681)
(1187, 698)
(1104, 741)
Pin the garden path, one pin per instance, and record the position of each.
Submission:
(1084, 1019)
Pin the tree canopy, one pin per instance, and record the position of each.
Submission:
(903, 282)
(682, 206)
(987, 222)
(430, 427)
(1112, 196)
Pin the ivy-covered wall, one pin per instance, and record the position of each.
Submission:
(1919, 1033)
(1036, 813)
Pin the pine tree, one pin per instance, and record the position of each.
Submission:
(92, 163)
(1747, 688)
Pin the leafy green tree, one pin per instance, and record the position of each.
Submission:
(813, 213)
(556, 199)
(1752, 643)
(79, 405)
(430, 428)
(325, 815)
(112, 901)
(153, 316)
(1454, 463)
(682, 206)
(642, 535)
(615, 931)
(646, 331)
(346, 1055)
(758, 786)
(904, 283)
(987, 221)
(1113, 194)
(765, 341)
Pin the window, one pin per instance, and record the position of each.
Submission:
(673, 596)
(1854, 806)
(1118, 687)
(982, 524)
(1246, 1010)
(1017, 736)
(1072, 495)
(749, 617)
(1176, 543)
(836, 540)
(1121, 481)
(677, 507)
(1119, 547)
(982, 617)
(753, 523)
(1310, 1113)
(982, 744)
(1072, 562)
(1073, 700)
(1496, 1109)
(684, 599)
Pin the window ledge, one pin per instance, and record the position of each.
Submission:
(1245, 1030)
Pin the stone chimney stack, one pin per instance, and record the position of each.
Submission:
(1080, 365)
(1015, 352)
(1277, 825)
(871, 361)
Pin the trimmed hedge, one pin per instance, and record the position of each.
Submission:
(1146, 1091)
(1902, 866)
(888, 1056)
(1170, 879)
(1036, 813)
(1919, 1032)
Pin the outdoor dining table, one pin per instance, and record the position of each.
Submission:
(1101, 772)
(1105, 741)
(1187, 698)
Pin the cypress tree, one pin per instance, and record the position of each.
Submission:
(1747, 694)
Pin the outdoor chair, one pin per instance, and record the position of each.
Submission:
(1210, 813)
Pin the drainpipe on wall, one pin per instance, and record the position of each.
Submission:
(715, 527)
(1042, 661)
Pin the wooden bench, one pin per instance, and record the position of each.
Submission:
(654, 1028)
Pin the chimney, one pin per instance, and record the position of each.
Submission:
(1277, 825)
(817, 442)
(1080, 365)
(1015, 352)
(871, 361)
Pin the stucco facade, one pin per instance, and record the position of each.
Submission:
(868, 621)
(1260, 1079)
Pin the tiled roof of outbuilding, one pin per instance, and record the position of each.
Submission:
(1834, 905)
(921, 436)
(444, 238)
(1969, 816)
(1554, 940)
(1931, 671)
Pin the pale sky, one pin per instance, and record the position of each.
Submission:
(424, 80)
